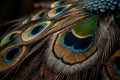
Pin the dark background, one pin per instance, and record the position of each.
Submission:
(13, 9)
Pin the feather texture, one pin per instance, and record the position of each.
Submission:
(64, 41)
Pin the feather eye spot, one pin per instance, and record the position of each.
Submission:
(8, 38)
(35, 30)
(38, 16)
(12, 54)
(77, 45)
(70, 49)
(57, 4)
(56, 11)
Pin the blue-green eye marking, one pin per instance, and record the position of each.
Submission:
(34, 31)
(116, 66)
(75, 44)
(28, 20)
(12, 54)
(59, 4)
(40, 16)
(10, 38)
(58, 10)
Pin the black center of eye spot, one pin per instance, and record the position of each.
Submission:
(12, 54)
(59, 9)
(41, 15)
(12, 36)
(81, 44)
(117, 62)
(37, 29)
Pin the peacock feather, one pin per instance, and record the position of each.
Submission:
(66, 40)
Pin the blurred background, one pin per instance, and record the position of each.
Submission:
(14, 9)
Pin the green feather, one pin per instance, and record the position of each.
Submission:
(87, 27)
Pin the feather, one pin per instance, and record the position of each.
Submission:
(111, 69)
(68, 40)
